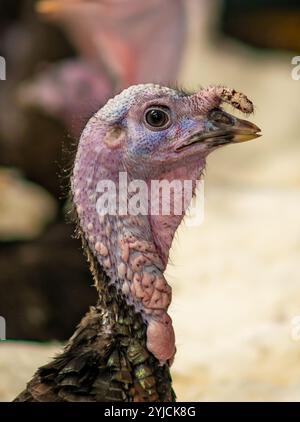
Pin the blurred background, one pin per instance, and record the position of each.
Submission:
(236, 278)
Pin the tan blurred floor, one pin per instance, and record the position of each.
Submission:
(236, 279)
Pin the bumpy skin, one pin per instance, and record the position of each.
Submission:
(123, 348)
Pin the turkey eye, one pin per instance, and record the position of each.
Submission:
(157, 117)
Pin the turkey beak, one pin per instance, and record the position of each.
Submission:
(226, 128)
(243, 130)
(222, 128)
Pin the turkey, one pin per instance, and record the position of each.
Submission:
(123, 348)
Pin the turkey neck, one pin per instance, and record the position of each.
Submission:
(132, 250)
(124, 248)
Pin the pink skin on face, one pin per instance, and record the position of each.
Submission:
(133, 249)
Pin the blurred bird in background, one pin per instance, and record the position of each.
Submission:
(118, 42)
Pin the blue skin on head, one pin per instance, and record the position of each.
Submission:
(147, 141)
